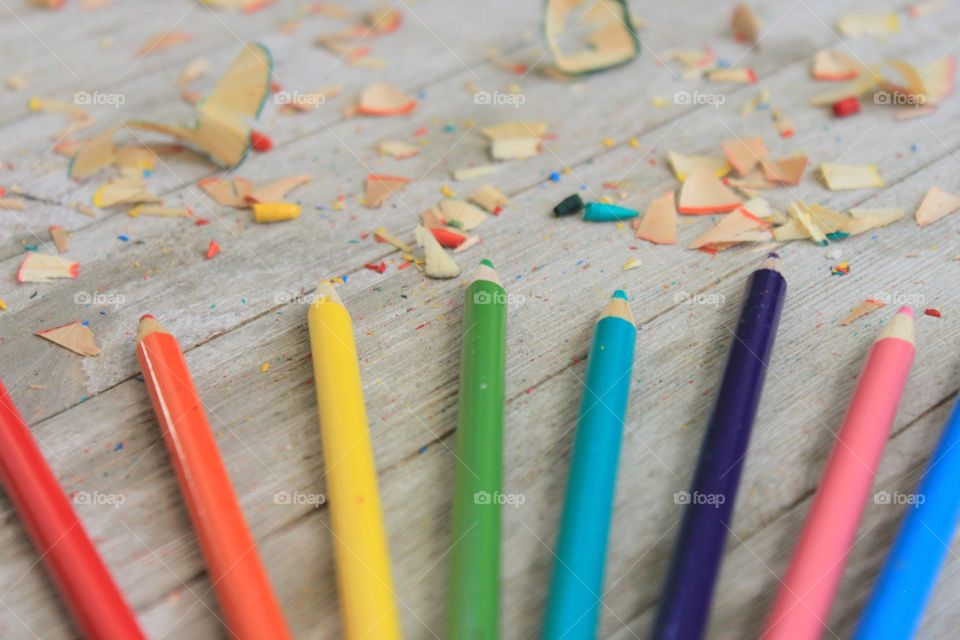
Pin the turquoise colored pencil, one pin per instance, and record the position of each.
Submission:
(577, 585)
(603, 212)
(896, 607)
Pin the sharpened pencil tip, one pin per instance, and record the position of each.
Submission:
(325, 291)
(620, 293)
(488, 262)
(148, 324)
(147, 316)
(907, 311)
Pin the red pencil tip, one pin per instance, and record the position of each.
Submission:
(147, 316)
(907, 311)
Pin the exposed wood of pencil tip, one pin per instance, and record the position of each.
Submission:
(486, 272)
(148, 325)
(327, 292)
(900, 326)
(618, 307)
(773, 263)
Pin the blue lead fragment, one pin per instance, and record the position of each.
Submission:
(601, 212)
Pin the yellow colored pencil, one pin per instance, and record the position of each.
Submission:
(367, 600)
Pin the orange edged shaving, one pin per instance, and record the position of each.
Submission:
(744, 154)
(382, 99)
(702, 193)
(40, 267)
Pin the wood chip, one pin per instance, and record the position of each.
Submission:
(734, 228)
(40, 267)
(469, 173)
(935, 205)
(868, 24)
(489, 197)
(438, 263)
(833, 65)
(683, 165)
(745, 24)
(515, 148)
(231, 192)
(785, 170)
(863, 309)
(74, 336)
(59, 237)
(610, 41)
(465, 215)
(744, 154)
(13, 204)
(277, 190)
(703, 193)
(398, 149)
(95, 154)
(382, 235)
(380, 187)
(159, 211)
(840, 177)
(732, 76)
(122, 191)
(382, 99)
(659, 223)
(163, 41)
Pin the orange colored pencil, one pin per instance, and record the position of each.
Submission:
(239, 579)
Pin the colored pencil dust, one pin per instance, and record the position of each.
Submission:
(77, 570)
(473, 610)
(250, 609)
(576, 588)
(802, 607)
(685, 602)
(367, 599)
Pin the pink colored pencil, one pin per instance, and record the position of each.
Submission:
(802, 607)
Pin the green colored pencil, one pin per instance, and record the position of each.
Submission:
(475, 555)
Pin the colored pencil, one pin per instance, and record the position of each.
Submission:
(908, 576)
(367, 598)
(77, 570)
(233, 563)
(473, 610)
(685, 604)
(576, 588)
(802, 607)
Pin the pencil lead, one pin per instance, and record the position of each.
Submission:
(907, 311)
(620, 293)
(487, 262)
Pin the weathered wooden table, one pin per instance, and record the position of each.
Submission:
(241, 309)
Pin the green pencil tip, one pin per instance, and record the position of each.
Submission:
(487, 262)
(620, 293)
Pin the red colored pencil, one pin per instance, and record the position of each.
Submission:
(239, 579)
(78, 571)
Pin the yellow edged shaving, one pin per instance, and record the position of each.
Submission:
(515, 148)
(438, 263)
(801, 214)
(382, 234)
(683, 165)
(840, 177)
(122, 191)
(868, 24)
(469, 173)
(632, 263)
(74, 336)
(735, 227)
(95, 154)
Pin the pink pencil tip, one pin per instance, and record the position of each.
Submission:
(147, 316)
(907, 311)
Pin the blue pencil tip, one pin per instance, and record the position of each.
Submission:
(620, 293)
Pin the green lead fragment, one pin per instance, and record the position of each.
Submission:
(569, 206)
(601, 212)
